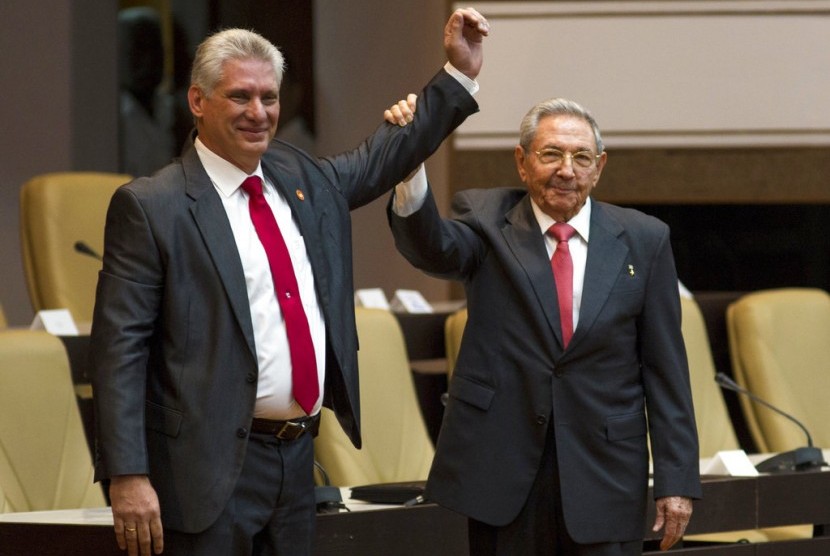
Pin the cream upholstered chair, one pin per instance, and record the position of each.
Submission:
(396, 445)
(56, 211)
(453, 332)
(714, 426)
(44, 457)
(780, 345)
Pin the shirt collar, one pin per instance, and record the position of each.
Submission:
(581, 222)
(225, 176)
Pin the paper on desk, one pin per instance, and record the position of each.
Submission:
(734, 463)
(373, 298)
(58, 322)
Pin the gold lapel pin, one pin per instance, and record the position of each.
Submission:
(631, 270)
(300, 195)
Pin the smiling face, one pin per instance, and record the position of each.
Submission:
(238, 119)
(560, 188)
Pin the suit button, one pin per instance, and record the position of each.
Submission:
(242, 432)
(250, 377)
(541, 419)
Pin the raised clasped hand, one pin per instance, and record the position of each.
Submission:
(463, 36)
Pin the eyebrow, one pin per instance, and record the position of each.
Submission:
(564, 150)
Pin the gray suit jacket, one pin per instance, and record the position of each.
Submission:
(513, 380)
(174, 366)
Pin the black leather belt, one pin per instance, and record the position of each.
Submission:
(287, 430)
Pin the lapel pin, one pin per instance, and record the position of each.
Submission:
(631, 270)
(300, 195)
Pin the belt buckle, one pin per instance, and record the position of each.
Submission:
(291, 430)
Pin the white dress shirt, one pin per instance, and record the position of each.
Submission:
(274, 388)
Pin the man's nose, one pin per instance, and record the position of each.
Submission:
(256, 109)
(566, 166)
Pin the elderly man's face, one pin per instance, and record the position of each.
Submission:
(561, 187)
(239, 118)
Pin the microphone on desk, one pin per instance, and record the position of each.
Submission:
(84, 249)
(800, 459)
(327, 497)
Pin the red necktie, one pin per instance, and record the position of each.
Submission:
(563, 275)
(303, 361)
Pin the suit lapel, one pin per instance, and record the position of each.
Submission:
(525, 240)
(212, 221)
(606, 255)
(299, 197)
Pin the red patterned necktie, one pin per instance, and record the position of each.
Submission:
(563, 275)
(303, 361)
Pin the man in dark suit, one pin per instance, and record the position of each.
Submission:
(204, 426)
(543, 443)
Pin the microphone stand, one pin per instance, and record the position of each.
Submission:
(800, 459)
(327, 497)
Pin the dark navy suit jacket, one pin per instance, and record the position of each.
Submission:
(174, 365)
(624, 372)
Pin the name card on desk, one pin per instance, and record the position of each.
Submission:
(58, 322)
(410, 301)
(371, 297)
(734, 463)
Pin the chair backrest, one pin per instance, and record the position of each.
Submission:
(3, 323)
(396, 444)
(714, 426)
(453, 332)
(44, 457)
(56, 211)
(780, 346)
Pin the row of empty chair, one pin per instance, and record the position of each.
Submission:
(61, 226)
(778, 340)
(45, 462)
(58, 210)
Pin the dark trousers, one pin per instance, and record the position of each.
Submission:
(272, 510)
(539, 529)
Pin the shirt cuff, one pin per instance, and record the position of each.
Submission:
(410, 195)
(470, 84)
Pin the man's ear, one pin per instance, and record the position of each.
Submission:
(195, 99)
(520, 156)
(603, 158)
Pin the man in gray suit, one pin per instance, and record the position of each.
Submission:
(560, 374)
(203, 427)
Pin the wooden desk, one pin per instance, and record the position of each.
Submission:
(729, 504)
(735, 504)
(395, 531)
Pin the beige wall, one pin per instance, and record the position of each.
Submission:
(58, 110)
(361, 67)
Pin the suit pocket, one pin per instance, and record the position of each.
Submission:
(622, 427)
(162, 419)
(471, 392)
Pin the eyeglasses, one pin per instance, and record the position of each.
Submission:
(580, 159)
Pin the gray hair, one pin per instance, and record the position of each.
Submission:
(231, 44)
(555, 107)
